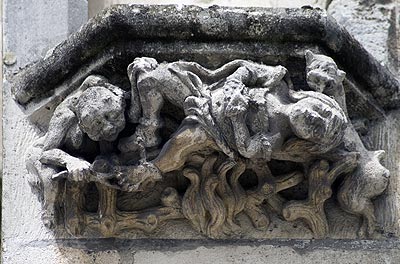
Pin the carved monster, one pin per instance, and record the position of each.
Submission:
(370, 179)
(218, 111)
(241, 114)
(74, 126)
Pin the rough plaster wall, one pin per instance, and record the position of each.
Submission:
(31, 28)
(1, 99)
(254, 253)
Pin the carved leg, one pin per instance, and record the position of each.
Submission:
(73, 206)
(368, 181)
(369, 220)
(320, 179)
(257, 216)
(44, 184)
(50, 193)
(152, 101)
(188, 139)
(107, 210)
(146, 133)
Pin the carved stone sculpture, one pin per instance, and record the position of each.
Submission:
(237, 137)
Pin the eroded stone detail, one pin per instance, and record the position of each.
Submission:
(240, 135)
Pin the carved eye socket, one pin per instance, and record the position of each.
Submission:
(111, 116)
(107, 99)
(331, 70)
(325, 113)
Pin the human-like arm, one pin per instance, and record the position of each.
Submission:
(63, 119)
(259, 145)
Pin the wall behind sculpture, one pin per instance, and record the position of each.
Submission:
(30, 30)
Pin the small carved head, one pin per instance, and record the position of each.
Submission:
(322, 72)
(317, 118)
(142, 64)
(268, 76)
(100, 111)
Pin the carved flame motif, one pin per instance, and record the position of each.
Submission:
(210, 203)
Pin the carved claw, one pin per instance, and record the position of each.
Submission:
(74, 226)
(138, 178)
(129, 144)
(170, 198)
(104, 178)
(258, 217)
(313, 215)
(237, 106)
(48, 218)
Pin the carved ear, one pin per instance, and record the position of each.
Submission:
(341, 75)
(309, 56)
(127, 95)
(116, 90)
(380, 154)
(94, 80)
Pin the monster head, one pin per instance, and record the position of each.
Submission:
(322, 72)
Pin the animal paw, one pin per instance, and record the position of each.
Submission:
(138, 178)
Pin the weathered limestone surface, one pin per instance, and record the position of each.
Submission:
(27, 240)
(213, 144)
(306, 26)
(30, 29)
(385, 135)
(96, 6)
(186, 252)
(375, 24)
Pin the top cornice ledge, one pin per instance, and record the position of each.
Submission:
(171, 22)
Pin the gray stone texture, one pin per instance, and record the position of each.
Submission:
(31, 28)
(96, 6)
(375, 24)
(187, 252)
